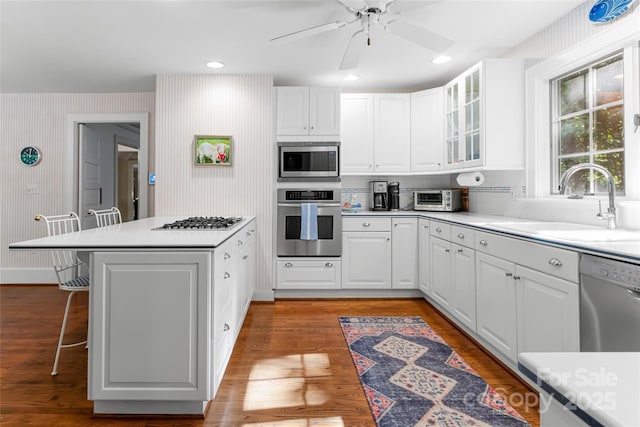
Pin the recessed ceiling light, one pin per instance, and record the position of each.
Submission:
(352, 77)
(441, 59)
(215, 64)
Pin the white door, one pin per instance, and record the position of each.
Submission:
(324, 111)
(392, 124)
(441, 272)
(496, 303)
(366, 260)
(424, 261)
(293, 110)
(427, 130)
(356, 133)
(404, 257)
(463, 280)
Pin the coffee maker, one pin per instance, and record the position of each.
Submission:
(394, 196)
(379, 196)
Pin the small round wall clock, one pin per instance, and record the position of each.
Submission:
(30, 156)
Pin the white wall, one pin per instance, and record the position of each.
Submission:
(237, 105)
(40, 120)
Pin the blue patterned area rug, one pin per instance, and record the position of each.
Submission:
(411, 377)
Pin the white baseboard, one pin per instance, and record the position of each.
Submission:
(263, 296)
(27, 275)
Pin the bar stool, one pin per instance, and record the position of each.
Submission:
(67, 266)
(106, 217)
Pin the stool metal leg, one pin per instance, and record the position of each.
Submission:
(62, 330)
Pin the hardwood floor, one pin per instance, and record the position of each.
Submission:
(290, 367)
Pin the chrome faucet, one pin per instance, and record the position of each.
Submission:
(610, 215)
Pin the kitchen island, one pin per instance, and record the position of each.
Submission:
(165, 309)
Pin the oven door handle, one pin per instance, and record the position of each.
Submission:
(320, 205)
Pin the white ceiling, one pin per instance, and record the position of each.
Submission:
(119, 46)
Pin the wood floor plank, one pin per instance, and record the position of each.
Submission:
(290, 366)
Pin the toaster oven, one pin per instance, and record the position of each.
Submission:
(437, 200)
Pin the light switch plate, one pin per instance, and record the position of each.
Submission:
(32, 189)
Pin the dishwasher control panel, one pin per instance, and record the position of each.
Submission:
(622, 273)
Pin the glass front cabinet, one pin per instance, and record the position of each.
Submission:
(484, 114)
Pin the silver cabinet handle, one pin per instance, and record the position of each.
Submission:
(366, 224)
(288, 265)
(460, 250)
(425, 226)
(555, 262)
(329, 264)
(227, 255)
(226, 275)
(460, 236)
(395, 225)
(388, 238)
(240, 243)
(447, 250)
(226, 327)
(248, 234)
(439, 230)
(483, 242)
(516, 277)
(508, 274)
(245, 257)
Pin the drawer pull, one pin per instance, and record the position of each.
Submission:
(395, 225)
(366, 224)
(248, 234)
(516, 277)
(447, 250)
(240, 243)
(508, 274)
(483, 242)
(460, 251)
(226, 327)
(226, 255)
(226, 275)
(439, 230)
(460, 236)
(555, 262)
(245, 257)
(329, 264)
(288, 265)
(425, 226)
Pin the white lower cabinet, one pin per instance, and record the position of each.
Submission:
(496, 303)
(308, 273)
(463, 280)
(441, 288)
(548, 312)
(424, 261)
(404, 253)
(366, 258)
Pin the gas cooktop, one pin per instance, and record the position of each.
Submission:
(203, 223)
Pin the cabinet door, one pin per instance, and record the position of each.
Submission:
(366, 260)
(441, 289)
(470, 132)
(292, 110)
(452, 119)
(424, 261)
(427, 142)
(392, 122)
(324, 111)
(463, 279)
(404, 253)
(149, 332)
(496, 303)
(356, 133)
(548, 312)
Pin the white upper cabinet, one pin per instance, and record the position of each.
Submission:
(427, 129)
(308, 111)
(375, 133)
(484, 117)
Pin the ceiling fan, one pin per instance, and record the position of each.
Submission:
(372, 13)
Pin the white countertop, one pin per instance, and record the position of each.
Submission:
(628, 250)
(134, 235)
(602, 386)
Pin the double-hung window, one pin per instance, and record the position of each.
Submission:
(587, 124)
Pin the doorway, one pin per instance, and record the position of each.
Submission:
(95, 142)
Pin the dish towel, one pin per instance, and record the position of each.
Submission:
(309, 222)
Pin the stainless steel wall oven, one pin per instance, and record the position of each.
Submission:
(329, 223)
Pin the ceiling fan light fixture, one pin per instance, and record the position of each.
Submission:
(441, 59)
(352, 77)
(214, 64)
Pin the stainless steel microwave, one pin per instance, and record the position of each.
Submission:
(437, 200)
(309, 161)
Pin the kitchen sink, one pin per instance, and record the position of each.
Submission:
(571, 231)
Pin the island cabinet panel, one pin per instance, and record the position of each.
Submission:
(148, 334)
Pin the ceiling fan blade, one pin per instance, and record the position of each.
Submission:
(420, 36)
(296, 35)
(354, 50)
(402, 6)
(353, 6)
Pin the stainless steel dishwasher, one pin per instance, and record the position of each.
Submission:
(609, 305)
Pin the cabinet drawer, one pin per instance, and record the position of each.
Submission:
(440, 229)
(366, 224)
(555, 261)
(463, 236)
(308, 274)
